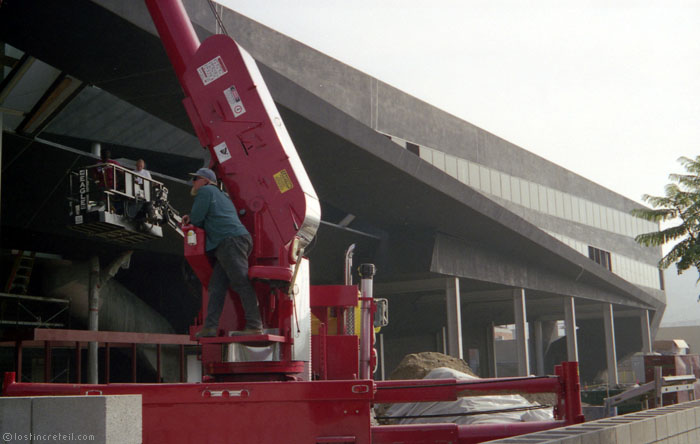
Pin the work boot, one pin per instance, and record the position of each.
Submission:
(207, 332)
(247, 332)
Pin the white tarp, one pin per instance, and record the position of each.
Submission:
(468, 404)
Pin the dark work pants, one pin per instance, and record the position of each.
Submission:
(231, 270)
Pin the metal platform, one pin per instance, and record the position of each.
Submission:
(114, 228)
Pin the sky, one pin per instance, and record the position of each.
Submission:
(607, 89)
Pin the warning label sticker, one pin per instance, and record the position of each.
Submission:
(234, 101)
(212, 70)
(284, 183)
(222, 152)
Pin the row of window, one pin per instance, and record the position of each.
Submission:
(627, 268)
(555, 203)
(537, 197)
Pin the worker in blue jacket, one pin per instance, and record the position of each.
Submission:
(229, 244)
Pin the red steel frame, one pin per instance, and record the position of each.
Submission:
(49, 338)
(316, 412)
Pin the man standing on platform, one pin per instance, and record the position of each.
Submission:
(229, 244)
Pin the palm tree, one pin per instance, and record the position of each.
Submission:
(682, 204)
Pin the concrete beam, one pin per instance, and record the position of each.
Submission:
(406, 287)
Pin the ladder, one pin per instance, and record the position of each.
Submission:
(18, 281)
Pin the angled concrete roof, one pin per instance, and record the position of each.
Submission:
(430, 223)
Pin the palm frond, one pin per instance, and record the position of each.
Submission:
(655, 215)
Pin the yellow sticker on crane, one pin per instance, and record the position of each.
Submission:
(284, 183)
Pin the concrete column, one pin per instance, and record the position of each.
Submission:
(611, 353)
(491, 351)
(93, 318)
(454, 318)
(539, 348)
(521, 331)
(570, 328)
(646, 332)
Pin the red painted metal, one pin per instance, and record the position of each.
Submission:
(451, 389)
(107, 363)
(233, 115)
(416, 390)
(334, 296)
(18, 359)
(335, 356)
(572, 393)
(176, 31)
(113, 337)
(453, 433)
(48, 374)
(415, 434)
(244, 413)
(55, 338)
(78, 363)
(172, 411)
(235, 118)
(476, 433)
(133, 362)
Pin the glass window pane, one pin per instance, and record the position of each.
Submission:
(451, 165)
(583, 211)
(542, 192)
(576, 215)
(534, 197)
(628, 225)
(484, 179)
(474, 175)
(559, 203)
(589, 213)
(551, 201)
(566, 199)
(505, 186)
(635, 226)
(607, 214)
(495, 183)
(426, 154)
(515, 191)
(603, 217)
(439, 159)
(616, 222)
(652, 226)
(463, 170)
(596, 215)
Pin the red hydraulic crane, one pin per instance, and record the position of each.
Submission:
(296, 382)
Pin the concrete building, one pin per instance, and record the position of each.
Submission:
(468, 230)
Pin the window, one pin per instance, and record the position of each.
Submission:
(426, 154)
(439, 159)
(451, 165)
(412, 147)
(601, 257)
(463, 170)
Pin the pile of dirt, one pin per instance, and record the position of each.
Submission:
(417, 365)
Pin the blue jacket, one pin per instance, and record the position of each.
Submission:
(214, 211)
